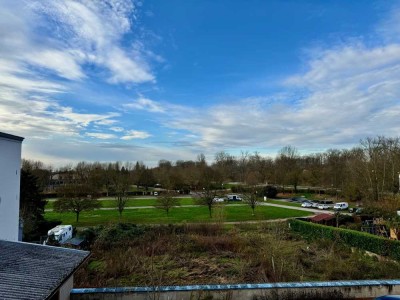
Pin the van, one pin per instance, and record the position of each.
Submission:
(60, 233)
(234, 198)
(341, 206)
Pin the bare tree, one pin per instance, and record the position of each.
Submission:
(250, 197)
(209, 180)
(76, 198)
(121, 182)
(288, 168)
(166, 201)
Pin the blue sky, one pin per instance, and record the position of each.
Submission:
(150, 80)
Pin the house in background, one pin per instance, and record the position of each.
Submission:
(10, 175)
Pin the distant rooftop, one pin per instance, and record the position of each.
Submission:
(31, 271)
(11, 137)
(322, 217)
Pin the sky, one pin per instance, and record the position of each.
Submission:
(122, 80)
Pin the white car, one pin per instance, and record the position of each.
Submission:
(315, 204)
(216, 199)
(306, 204)
(341, 206)
(323, 206)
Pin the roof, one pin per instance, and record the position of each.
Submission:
(322, 217)
(11, 137)
(74, 241)
(31, 271)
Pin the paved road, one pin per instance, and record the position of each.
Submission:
(316, 211)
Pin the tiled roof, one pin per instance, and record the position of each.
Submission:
(31, 271)
(322, 217)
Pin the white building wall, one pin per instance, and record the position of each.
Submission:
(10, 166)
(65, 289)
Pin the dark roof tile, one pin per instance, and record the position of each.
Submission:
(31, 271)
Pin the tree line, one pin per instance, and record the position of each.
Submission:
(368, 171)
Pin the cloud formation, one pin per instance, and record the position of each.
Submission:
(135, 134)
(144, 104)
(48, 46)
(51, 50)
(345, 94)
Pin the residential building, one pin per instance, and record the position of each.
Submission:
(10, 174)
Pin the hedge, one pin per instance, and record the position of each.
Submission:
(362, 240)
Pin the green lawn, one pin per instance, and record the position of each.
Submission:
(110, 202)
(176, 215)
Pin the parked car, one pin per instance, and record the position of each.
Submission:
(307, 204)
(298, 199)
(315, 204)
(216, 199)
(323, 206)
(388, 297)
(327, 202)
(341, 206)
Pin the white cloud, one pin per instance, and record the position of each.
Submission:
(64, 36)
(39, 117)
(42, 43)
(135, 134)
(101, 136)
(389, 28)
(346, 94)
(145, 104)
(62, 63)
(124, 69)
(117, 129)
(354, 62)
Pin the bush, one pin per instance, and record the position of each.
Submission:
(118, 234)
(270, 191)
(361, 240)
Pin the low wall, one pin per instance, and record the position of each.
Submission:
(363, 289)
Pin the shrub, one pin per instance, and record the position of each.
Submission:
(122, 233)
(361, 240)
(270, 191)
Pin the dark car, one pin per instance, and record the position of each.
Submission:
(298, 199)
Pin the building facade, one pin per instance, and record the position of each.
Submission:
(10, 177)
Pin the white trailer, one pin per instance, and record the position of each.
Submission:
(61, 233)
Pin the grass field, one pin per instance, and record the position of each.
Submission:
(135, 202)
(110, 202)
(225, 213)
